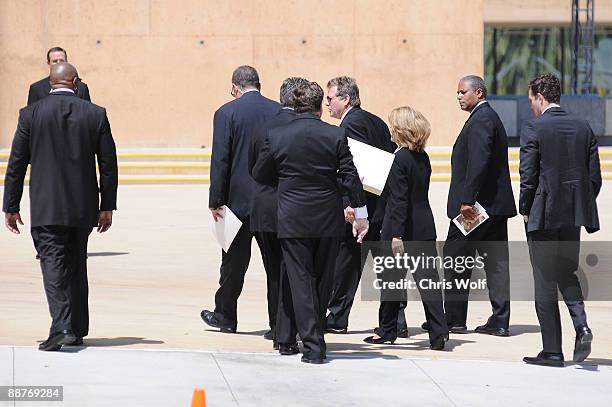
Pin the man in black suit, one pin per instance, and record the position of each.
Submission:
(560, 179)
(61, 136)
(41, 88)
(480, 173)
(311, 162)
(264, 206)
(344, 103)
(231, 185)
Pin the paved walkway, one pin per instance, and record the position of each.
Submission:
(157, 267)
(103, 377)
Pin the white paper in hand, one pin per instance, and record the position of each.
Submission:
(227, 228)
(373, 164)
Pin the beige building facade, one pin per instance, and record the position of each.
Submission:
(161, 67)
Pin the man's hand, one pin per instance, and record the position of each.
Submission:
(217, 213)
(360, 228)
(526, 218)
(10, 220)
(105, 220)
(468, 212)
(397, 246)
(349, 214)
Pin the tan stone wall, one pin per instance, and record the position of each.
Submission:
(162, 67)
(513, 12)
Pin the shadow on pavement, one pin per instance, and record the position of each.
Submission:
(591, 364)
(251, 333)
(516, 330)
(119, 341)
(106, 254)
(370, 350)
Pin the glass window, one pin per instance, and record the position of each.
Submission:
(514, 55)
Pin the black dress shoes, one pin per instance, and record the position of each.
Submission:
(546, 359)
(439, 342)
(77, 342)
(312, 361)
(458, 329)
(489, 330)
(377, 340)
(334, 330)
(582, 347)
(401, 332)
(55, 341)
(211, 320)
(286, 350)
(269, 335)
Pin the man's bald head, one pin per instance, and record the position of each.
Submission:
(63, 75)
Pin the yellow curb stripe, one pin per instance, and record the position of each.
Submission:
(164, 165)
(202, 154)
(205, 180)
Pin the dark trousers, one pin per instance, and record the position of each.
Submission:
(347, 274)
(272, 256)
(310, 267)
(234, 265)
(554, 256)
(491, 238)
(431, 295)
(63, 261)
(285, 320)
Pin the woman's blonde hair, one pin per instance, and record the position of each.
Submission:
(409, 128)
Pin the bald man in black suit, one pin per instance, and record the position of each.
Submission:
(62, 137)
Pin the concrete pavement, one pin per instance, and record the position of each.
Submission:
(105, 377)
(157, 267)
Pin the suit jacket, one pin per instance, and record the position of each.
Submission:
(407, 213)
(313, 166)
(368, 128)
(560, 172)
(41, 89)
(479, 163)
(233, 127)
(265, 207)
(61, 136)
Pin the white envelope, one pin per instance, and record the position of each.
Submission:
(373, 164)
(226, 229)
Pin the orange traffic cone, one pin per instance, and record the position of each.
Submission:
(199, 398)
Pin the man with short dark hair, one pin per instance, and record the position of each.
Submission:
(310, 219)
(41, 88)
(560, 179)
(62, 137)
(263, 217)
(480, 173)
(344, 103)
(231, 185)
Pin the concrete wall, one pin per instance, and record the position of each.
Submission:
(162, 67)
(516, 12)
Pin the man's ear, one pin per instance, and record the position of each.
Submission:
(348, 102)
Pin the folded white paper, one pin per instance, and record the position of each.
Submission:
(468, 227)
(373, 164)
(226, 229)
